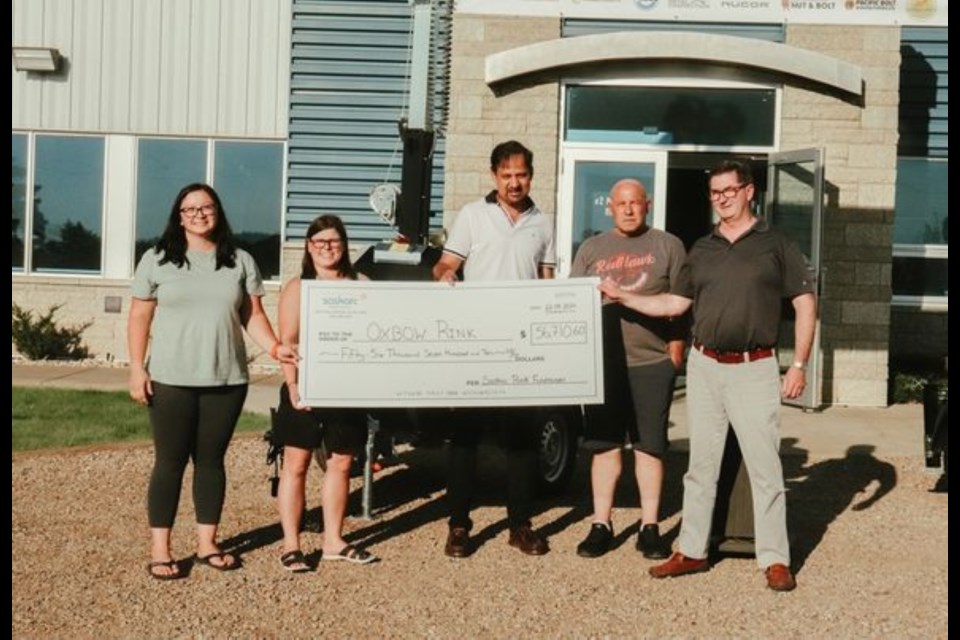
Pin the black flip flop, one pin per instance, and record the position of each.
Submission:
(205, 560)
(165, 576)
(295, 562)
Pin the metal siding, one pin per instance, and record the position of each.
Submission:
(26, 94)
(146, 64)
(206, 75)
(572, 27)
(58, 32)
(924, 78)
(87, 74)
(168, 67)
(349, 88)
(175, 62)
(234, 48)
(118, 52)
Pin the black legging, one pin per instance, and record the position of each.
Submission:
(191, 422)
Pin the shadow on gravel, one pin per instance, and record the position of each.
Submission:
(818, 493)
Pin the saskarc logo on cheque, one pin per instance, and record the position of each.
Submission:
(646, 4)
(340, 300)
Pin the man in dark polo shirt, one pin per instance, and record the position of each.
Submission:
(736, 277)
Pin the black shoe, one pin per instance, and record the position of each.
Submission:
(458, 543)
(597, 541)
(651, 544)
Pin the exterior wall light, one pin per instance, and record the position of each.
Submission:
(36, 59)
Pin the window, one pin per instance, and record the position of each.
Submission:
(248, 176)
(18, 168)
(164, 167)
(920, 221)
(67, 227)
(920, 231)
(703, 116)
(67, 204)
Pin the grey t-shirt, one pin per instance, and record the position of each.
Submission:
(648, 264)
(196, 335)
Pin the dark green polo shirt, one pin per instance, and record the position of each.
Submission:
(737, 287)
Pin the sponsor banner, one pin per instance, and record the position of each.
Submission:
(852, 12)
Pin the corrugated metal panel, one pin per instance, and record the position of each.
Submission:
(581, 27)
(349, 84)
(118, 22)
(181, 67)
(923, 92)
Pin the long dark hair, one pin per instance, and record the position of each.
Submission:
(173, 242)
(344, 268)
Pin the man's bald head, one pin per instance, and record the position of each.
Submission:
(628, 183)
(628, 206)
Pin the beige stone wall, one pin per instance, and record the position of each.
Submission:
(860, 140)
(479, 118)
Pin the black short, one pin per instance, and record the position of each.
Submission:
(340, 430)
(636, 410)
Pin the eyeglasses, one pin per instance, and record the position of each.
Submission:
(323, 243)
(196, 212)
(728, 192)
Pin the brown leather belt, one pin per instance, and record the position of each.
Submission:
(733, 357)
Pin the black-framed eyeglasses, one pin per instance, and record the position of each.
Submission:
(196, 212)
(323, 243)
(728, 192)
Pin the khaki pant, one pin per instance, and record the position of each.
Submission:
(746, 396)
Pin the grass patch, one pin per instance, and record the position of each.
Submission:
(56, 418)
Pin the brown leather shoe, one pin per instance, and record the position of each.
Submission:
(458, 543)
(779, 578)
(679, 565)
(528, 541)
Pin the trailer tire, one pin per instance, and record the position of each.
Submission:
(558, 434)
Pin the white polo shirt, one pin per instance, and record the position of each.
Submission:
(496, 248)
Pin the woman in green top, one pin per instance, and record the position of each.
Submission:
(193, 294)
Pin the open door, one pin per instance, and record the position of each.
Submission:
(794, 204)
(586, 177)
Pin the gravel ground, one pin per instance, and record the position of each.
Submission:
(870, 547)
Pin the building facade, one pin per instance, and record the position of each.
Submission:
(290, 109)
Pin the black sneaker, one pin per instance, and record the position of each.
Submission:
(650, 544)
(597, 541)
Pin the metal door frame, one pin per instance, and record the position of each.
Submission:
(812, 397)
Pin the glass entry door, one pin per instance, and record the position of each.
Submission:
(794, 205)
(586, 177)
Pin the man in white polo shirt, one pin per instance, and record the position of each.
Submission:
(500, 237)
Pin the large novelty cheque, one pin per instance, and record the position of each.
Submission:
(427, 344)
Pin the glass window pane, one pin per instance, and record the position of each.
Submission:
(163, 168)
(591, 188)
(671, 115)
(919, 276)
(249, 178)
(19, 177)
(921, 206)
(67, 204)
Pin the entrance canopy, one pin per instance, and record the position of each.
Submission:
(674, 46)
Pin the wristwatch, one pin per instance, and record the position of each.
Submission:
(799, 365)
